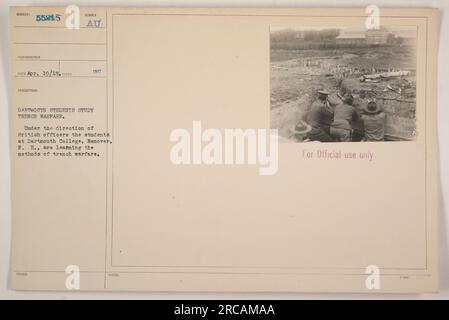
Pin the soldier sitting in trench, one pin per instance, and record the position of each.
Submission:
(344, 115)
(320, 117)
(373, 119)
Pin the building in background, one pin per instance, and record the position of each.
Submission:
(351, 38)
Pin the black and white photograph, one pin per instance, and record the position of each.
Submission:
(343, 84)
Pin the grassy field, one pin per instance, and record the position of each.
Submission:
(381, 56)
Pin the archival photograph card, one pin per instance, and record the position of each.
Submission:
(224, 150)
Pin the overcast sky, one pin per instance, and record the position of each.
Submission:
(402, 31)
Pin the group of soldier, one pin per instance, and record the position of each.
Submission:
(330, 122)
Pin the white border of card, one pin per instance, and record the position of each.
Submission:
(101, 200)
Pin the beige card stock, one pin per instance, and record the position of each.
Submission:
(124, 176)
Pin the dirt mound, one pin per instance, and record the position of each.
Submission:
(350, 86)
